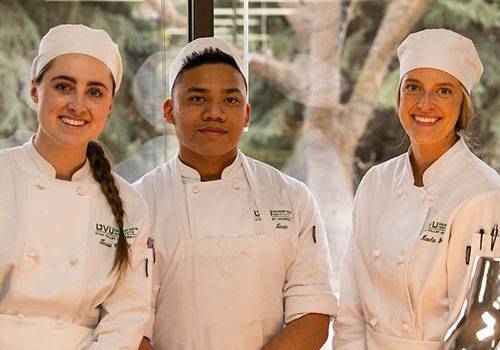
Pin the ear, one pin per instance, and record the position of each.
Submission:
(247, 115)
(168, 111)
(34, 92)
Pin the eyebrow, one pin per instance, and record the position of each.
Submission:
(73, 80)
(204, 90)
(412, 80)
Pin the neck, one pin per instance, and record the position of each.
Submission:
(209, 167)
(422, 156)
(65, 160)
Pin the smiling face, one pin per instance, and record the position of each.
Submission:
(429, 107)
(74, 99)
(209, 110)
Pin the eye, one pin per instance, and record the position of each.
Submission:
(411, 88)
(444, 91)
(197, 99)
(63, 87)
(232, 100)
(95, 92)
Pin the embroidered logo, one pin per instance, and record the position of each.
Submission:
(281, 215)
(108, 235)
(434, 232)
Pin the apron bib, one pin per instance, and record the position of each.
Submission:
(223, 293)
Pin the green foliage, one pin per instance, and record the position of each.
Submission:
(22, 23)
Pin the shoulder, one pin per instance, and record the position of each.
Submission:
(271, 178)
(155, 178)
(478, 172)
(280, 190)
(383, 173)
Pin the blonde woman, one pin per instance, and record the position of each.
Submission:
(403, 272)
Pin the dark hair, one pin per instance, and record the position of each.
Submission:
(209, 56)
(101, 170)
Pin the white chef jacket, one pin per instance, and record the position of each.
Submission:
(57, 291)
(295, 279)
(400, 279)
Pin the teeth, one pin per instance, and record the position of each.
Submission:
(73, 122)
(425, 119)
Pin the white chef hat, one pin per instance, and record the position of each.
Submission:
(199, 46)
(441, 49)
(78, 38)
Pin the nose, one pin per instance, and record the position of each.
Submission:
(214, 111)
(426, 101)
(76, 104)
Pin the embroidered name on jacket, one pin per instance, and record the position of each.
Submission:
(108, 235)
(434, 232)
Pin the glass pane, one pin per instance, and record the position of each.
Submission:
(135, 131)
(323, 82)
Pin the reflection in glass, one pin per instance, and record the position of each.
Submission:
(478, 324)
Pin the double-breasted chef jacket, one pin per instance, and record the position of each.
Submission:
(236, 258)
(57, 291)
(402, 272)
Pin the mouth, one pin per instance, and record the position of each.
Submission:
(425, 121)
(73, 122)
(213, 131)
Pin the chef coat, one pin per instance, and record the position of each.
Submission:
(400, 278)
(236, 258)
(58, 238)
(472, 228)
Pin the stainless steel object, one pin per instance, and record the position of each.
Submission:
(478, 324)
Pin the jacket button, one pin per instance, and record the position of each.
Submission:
(401, 260)
(20, 315)
(73, 260)
(373, 322)
(376, 253)
(195, 189)
(32, 254)
(400, 192)
(406, 326)
(38, 184)
(60, 321)
(80, 191)
(236, 186)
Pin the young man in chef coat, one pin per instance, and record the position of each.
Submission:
(241, 250)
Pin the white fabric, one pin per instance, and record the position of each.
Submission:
(56, 289)
(480, 212)
(199, 46)
(235, 258)
(444, 50)
(78, 38)
(402, 273)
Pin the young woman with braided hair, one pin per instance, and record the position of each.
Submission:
(74, 257)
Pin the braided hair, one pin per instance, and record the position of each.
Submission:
(101, 171)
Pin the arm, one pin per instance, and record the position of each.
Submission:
(308, 332)
(308, 293)
(126, 310)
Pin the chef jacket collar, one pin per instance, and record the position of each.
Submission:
(443, 166)
(190, 175)
(41, 165)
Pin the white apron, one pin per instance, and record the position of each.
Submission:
(227, 290)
